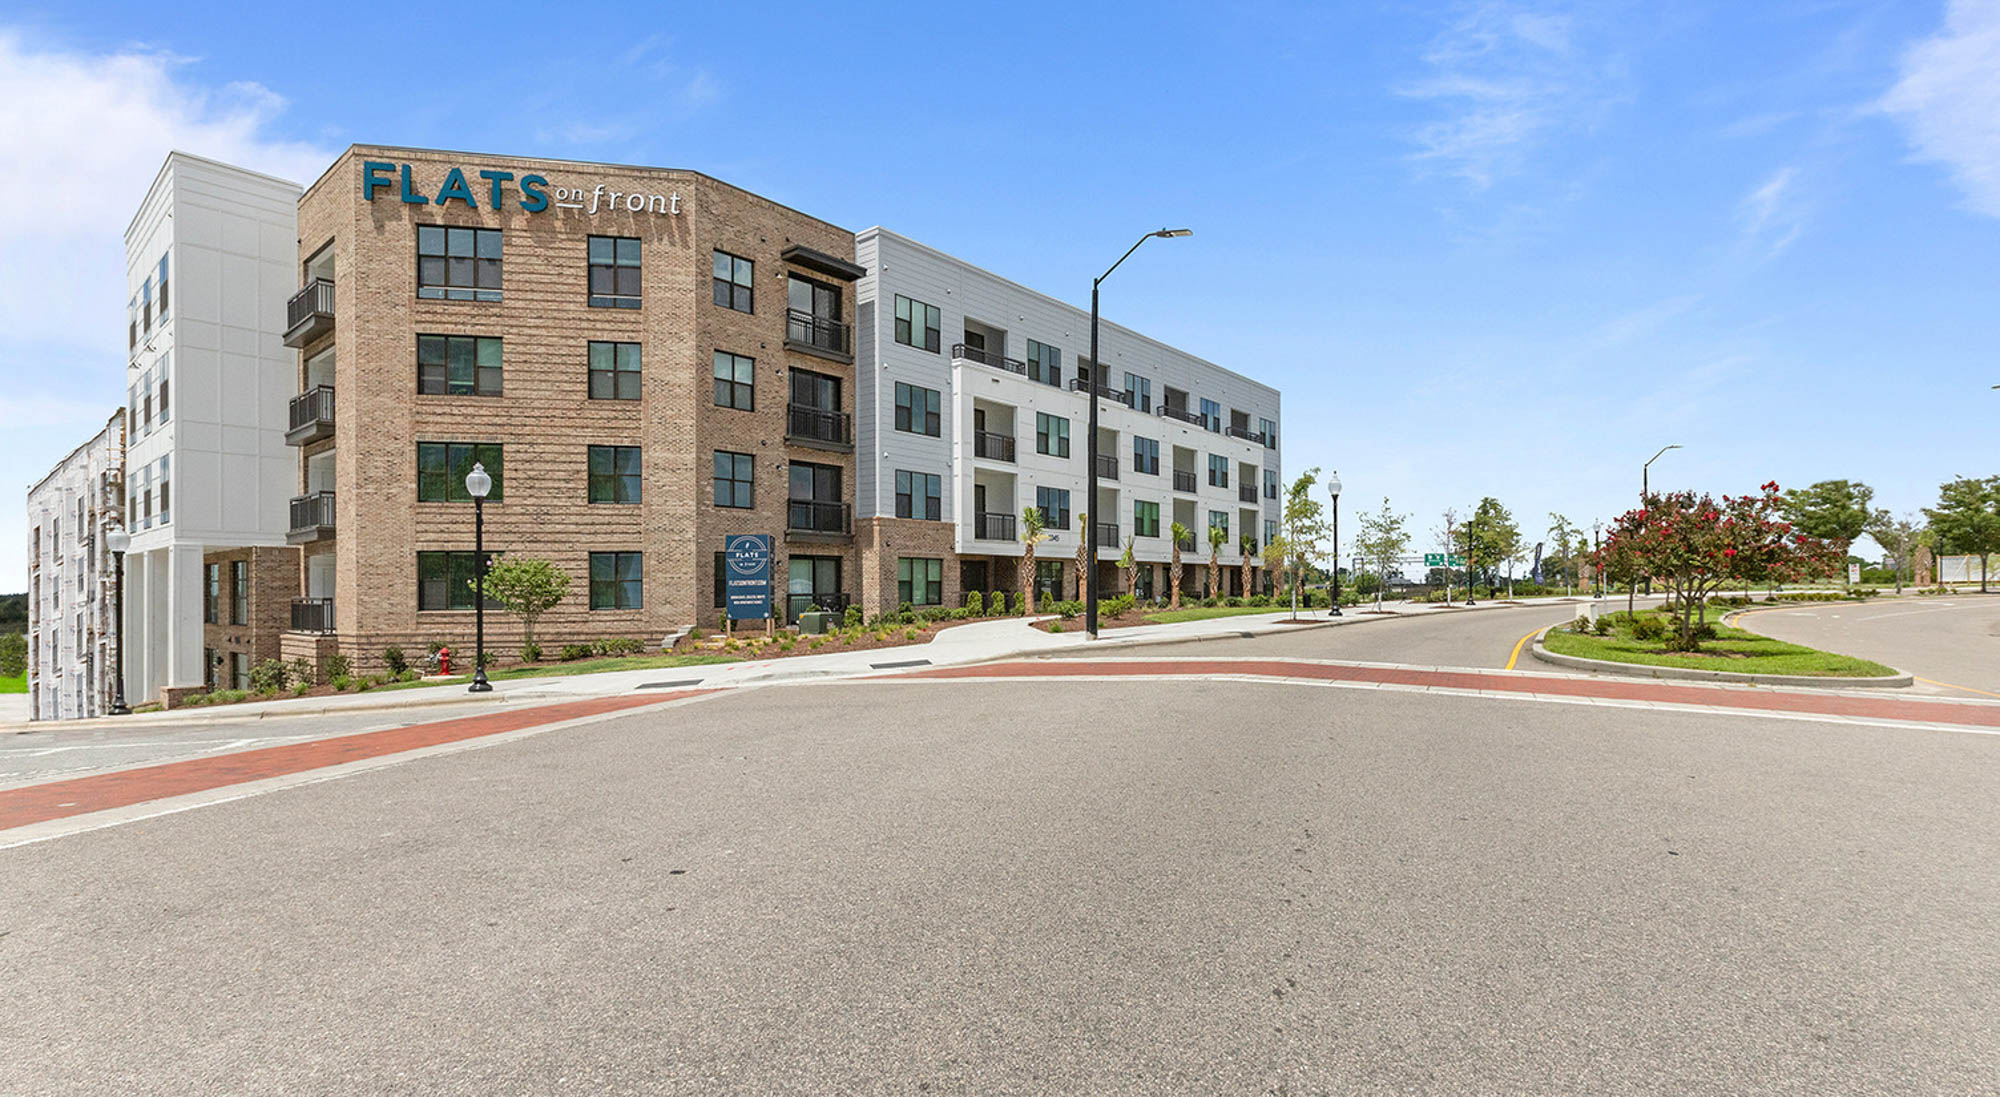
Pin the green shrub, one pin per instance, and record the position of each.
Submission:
(302, 672)
(337, 666)
(1649, 628)
(1117, 607)
(1580, 626)
(975, 604)
(570, 653)
(13, 654)
(1233, 602)
(1258, 600)
(910, 633)
(300, 687)
(268, 676)
(996, 604)
(531, 652)
(904, 610)
(1603, 625)
(392, 657)
(340, 682)
(1055, 626)
(1015, 606)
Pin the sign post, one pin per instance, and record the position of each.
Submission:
(746, 558)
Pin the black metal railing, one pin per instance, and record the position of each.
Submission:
(819, 332)
(1078, 384)
(312, 410)
(1107, 466)
(993, 447)
(309, 314)
(819, 516)
(1246, 492)
(992, 526)
(828, 602)
(1184, 481)
(1185, 544)
(1168, 411)
(819, 424)
(1107, 534)
(312, 615)
(1246, 433)
(312, 512)
(989, 358)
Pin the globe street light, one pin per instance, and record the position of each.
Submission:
(1333, 488)
(477, 484)
(117, 541)
(1096, 383)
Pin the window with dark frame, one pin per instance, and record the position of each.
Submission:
(444, 581)
(239, 592)
(1211, 416)
(920, 580)
(614, 474)
(617, 580)
(1139, 390)
(1054, 505)
(1044, 363)
(1270, 483)
(1146, 455)
(1218, 471)
(917, 410)
(1219, 519)
(735, 479)
(443, 466)
(614, 371)
(919, 495)
(1051, 434)
(735, 282)
(735, 381)
(1145, 518)
(458, 264)
(721, 574)
(614, 272)
(458, 365)
(812, 314)
(211, 594)
(1269, 429)
(917, 324)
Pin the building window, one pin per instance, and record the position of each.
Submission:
(1211, 415)
(1054, 505)
(721, 573)
(163, 287)
(1270, 483)
(162, 404)
(1218, 471)
(614, 272)
(1140, 391)
(735, 381)
(1044, 363)
(456, 264)
(1269, 429)
(735, 282)
(616, 579)
(239, 592)
(812, 314)
(442, 468)
(614, 474)
(458, 365)
(735, 477)
(814, 499)
(920, 581)
(209, 659)
(445, 579)
(1145, 519)
(917, 324)
(1049, 579)
(917, 409)
(1051, 434)
(1270, 530)
(614, 371)
(211, 594)
(1219, 519)
(1146, 455)
(239, 670)
(919, 495)
(146, 304)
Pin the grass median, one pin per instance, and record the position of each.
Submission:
(14, 685)
(1733, 649)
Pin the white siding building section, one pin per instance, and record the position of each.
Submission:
(992, 388)
(211, 259)
(72, 630)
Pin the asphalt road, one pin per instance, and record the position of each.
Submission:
(1951, 641)
(1044, 887)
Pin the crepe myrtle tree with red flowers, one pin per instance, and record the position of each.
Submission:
(1698, 546)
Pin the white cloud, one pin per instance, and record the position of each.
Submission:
(1773, 214)
(81, 139)
(1949, 99)
(1505, 76)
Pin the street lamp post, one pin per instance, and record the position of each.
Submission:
(477, 484)
(1596, 564)
(1333, 488)
(1090, 448)
(117, 540)
(1645, 490)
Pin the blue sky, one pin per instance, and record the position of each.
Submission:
(1490, 248)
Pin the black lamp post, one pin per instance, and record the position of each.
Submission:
(117, 540)
(1333, 489)
(1090, 448)
(1596, 566)
(1644, 491)
(477, 484)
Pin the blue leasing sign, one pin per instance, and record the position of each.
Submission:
(746, 560)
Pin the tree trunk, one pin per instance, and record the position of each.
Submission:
(1174, 578)
(1028, 578)
(1214, 574)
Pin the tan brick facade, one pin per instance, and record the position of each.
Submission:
(545, 420)
(271, 581)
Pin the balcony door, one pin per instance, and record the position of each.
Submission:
(319, 472)
(814, 309)
(815, 498)
(812, 581)
(815, 390)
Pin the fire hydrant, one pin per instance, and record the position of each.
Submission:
(444, 660)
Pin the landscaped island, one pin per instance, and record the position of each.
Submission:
(1645, 638)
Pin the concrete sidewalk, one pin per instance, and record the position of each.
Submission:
(979, 641)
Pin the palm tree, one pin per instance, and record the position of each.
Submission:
(1131, 568)
(1182, 535)
(1216, 536)
(1033, 533)
(1082, 546)
(1248, 545)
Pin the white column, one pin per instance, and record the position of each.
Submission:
(183, 636)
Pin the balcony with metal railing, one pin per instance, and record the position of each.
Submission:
(311, 416)
(824, 428)
(816, 516)
(1184, 481)
(1246, 493)
(312, 615)
(989, 358)
(1181, 414)
(312, 518)
(1245, 433)
(1078, 384)
(1107, 466)
(993, 447)
(820, 336)
(992, 526)
(1107, 534)
(309, 314)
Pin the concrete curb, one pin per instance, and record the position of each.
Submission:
(1640, 670)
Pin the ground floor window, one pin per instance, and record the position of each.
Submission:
(973, 575)
(1049, 578)
(920, 581)
(1143, 582)
(210, 660)
(444, 580)
(239, 670)
(616, 579)
(812, 582)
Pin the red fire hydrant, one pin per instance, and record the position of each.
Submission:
(444, 660)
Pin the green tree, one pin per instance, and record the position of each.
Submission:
(1834, 511)
(1216, 536)
(1082, 560)
(1566, 546)
(1967, 519)
(528, 587)
(1130, 566)
(1182, 536)
(13, 654)
(1488, 539)
(1304, 529)
(1898, 538)
(1033, 532)
(1385, 537)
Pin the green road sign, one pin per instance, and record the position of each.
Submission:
(1438, 560)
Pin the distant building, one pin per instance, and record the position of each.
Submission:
(72, 632)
